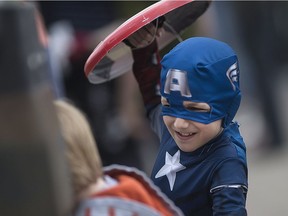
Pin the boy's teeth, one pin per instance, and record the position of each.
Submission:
(186, 134)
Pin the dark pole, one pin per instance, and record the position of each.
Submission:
(33, 173)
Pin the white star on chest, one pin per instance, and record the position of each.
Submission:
(171, 167)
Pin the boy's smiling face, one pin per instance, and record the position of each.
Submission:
(190, 135)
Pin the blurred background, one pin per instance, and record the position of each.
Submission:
(257, 32)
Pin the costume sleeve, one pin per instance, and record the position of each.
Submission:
(146, 69)
(229, 189)
(156, 121)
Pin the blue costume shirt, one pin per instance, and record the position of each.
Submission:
(209, 181)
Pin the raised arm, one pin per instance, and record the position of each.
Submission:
(146, 67)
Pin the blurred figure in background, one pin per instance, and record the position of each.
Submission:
(75, 28)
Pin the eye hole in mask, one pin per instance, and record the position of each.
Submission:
(196, 106)
(189, 105)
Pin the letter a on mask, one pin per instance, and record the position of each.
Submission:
(176, 80)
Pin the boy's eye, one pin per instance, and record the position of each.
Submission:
(196, 109)
(165, 102)
(196, 106)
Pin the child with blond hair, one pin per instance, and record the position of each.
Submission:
(112, 190)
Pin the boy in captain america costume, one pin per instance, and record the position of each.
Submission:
(201, 164)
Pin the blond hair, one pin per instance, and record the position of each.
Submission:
(81, 151)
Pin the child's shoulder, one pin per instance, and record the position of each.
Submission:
(231, 144)
(229, 141)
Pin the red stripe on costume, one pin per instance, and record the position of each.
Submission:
(111, 211)
(87, 212)
(139, 193)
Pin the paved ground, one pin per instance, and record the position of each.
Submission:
(268, 184)
(268, 172)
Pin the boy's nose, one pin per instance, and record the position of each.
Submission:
(181, 123)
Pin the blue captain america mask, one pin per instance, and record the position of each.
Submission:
(201, 70)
